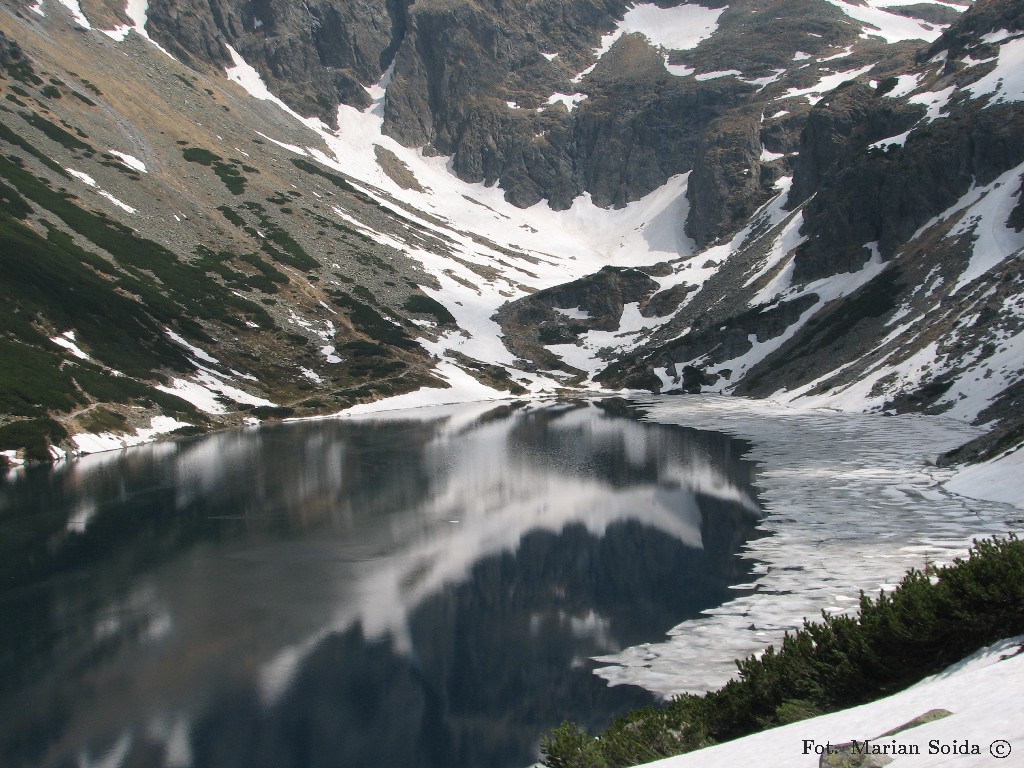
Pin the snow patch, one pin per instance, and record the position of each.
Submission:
(328, 353)
(717, 75)
(892, 141)
(118, 33)
(462, 388)
(935, 101)
(138, 12)
(996, 480)
(1006, 81)
(891, 27)
(246, 76)
(677, 70)
(764, 82)
(76, 13)
(132, 162)
(67, 340)
(206, 393)
(675, 29)
(122, 205)
(570, 100)
(986, 219)
(905, 85)
(199, 353)
(815, 93)
(107, 441)
(85, 178)
(998, 36)
(841, 55)
(573, 314)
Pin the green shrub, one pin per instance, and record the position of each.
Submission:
(931, 620)
(16, 140)
(34, 435)
(200, 156)
(231, 216)
(31, 381)
(273, 411)
(103, 420)
(369, 321)
(53, 131)
(422, 304)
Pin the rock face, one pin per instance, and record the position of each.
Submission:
(189, 30)
(896, 274)
(885, 195)
(314, 56)
(512, 92)
(560, 315)
(458, 73)
(728, 182)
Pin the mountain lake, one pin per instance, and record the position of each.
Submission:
(425, 588)
(441, 586)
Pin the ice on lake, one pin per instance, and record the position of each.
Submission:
(853, 501)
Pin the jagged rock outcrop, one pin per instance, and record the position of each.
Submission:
(728, 182)
(884, 195)
(593, 303)
(842, 126)
(966, 32)
(710, 344)
(189, 30)
(314, 56)
(642, 125)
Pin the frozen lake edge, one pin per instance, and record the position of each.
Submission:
(852, 502)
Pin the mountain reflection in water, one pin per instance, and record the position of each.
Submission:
(416, 590)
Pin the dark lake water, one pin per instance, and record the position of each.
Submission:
(409, 591)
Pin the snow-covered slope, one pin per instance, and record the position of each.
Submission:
(981, 729)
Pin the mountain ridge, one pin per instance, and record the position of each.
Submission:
(832, 218)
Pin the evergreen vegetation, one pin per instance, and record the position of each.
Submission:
(934, 618)
(422, 304)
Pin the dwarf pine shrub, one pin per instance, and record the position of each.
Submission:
(933, 618)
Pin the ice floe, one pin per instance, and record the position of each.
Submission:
(852, 505)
